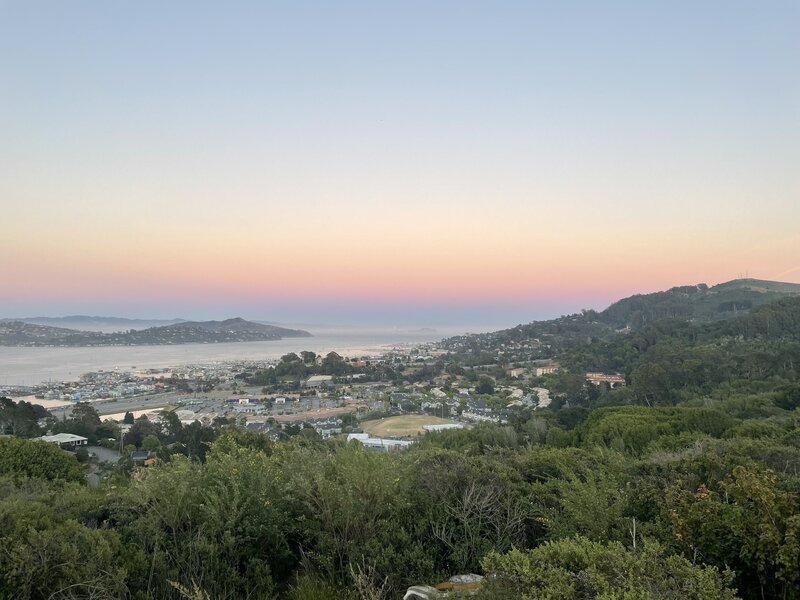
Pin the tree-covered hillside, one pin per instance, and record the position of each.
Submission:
(696, 302)
(675, 360)
(552, 338)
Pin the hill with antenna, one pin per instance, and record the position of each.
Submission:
(696, 302)
(693, 303)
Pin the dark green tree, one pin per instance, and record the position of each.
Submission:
(31, 458)
(485, 385)
(20, 418)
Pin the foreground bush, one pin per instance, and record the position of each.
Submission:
(578, 568)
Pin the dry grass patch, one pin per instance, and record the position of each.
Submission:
(404, 425)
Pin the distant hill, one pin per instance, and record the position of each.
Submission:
(105, 324)
(696, 302)
(237, 327)
(19, 333)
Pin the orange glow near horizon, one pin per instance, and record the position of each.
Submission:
(504, 263)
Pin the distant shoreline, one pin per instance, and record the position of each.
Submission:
(33, 365)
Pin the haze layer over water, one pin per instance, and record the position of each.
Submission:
(30, 366)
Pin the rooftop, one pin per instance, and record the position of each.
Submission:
(63, 438)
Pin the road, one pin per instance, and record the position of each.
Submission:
(121, 405)
(104, 454)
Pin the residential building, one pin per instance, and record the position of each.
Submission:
(612, 379)
(65, 440)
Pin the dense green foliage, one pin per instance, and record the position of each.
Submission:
(576, 568)
(20, 418)
(25, 458)
(255, 516)
(673, 361)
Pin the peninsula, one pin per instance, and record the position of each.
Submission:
(18, 333)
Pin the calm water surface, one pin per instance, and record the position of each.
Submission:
(30, 366)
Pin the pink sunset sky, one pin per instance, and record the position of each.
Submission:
(416, 163)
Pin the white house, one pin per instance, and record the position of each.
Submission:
(546, 370)
(318, 380)
(379, 444)
(65, 440)
(443, 426)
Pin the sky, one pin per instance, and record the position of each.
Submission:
(414, 162)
